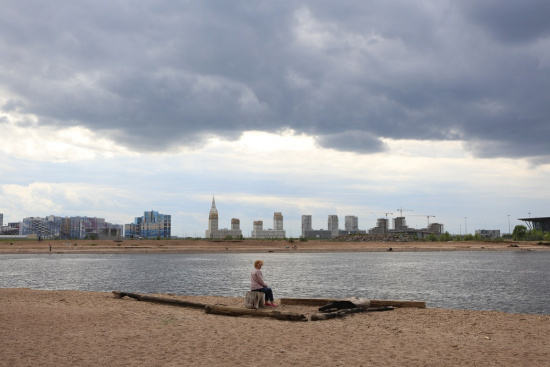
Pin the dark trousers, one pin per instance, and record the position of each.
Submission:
(268, 293)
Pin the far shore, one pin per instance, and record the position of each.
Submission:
(250, 246)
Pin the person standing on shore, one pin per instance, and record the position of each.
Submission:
(50, 248)
(257, 283)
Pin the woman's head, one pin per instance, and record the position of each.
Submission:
(258, 264)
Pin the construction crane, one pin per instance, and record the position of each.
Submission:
(428, 216)
(401, 210)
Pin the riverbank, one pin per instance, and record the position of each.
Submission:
(249, 246)
(61, 328)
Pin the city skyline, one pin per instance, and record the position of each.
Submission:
(160, 226)
(355, 108)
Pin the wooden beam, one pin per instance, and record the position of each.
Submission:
(167, 301)
(373, 303)
(234, 311)
(387, 302)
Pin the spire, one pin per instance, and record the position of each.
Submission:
(213, 210)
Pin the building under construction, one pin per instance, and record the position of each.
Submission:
(539, 224)
(400, 226)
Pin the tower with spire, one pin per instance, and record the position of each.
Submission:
(214, 232)
(212, 220)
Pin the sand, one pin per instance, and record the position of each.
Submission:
(71, 328)
(251, 246)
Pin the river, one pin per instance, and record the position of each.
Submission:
(515, 282)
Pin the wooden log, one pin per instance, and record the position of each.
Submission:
(345, 312)
(234, 311)
(253, 300)
(167, 301)
(374, 303)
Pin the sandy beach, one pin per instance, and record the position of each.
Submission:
(70, 328)
(251, 246)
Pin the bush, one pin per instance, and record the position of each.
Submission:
(446, 237)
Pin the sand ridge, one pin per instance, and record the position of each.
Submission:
(251, 246)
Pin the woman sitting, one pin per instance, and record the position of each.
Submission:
(257, 283)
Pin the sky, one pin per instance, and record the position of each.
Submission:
(358, 107)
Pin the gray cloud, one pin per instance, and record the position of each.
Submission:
(510, 21)
(160, 74)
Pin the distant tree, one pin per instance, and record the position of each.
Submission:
(446, 237)
(469, 237)
(519, 232)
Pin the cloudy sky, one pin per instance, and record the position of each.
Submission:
(111, 108)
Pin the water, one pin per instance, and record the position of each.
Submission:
(514, 282)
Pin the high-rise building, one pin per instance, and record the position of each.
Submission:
(1, 220)
(333, 225)
(235, 224)
(306, 225)
(381, 226)
(400, 224)
(151, 225)
(214, 232)
(277, 221)
(351, 223)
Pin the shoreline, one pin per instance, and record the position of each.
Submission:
(52, 328)
(250, 246)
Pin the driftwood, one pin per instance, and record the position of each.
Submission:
(373, 303)
(345, 304)
(345, 312)
(168, 301)
(234, 311)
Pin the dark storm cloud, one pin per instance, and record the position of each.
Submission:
(155, 74)
(510, 21)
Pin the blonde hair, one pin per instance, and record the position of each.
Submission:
(258, 262)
